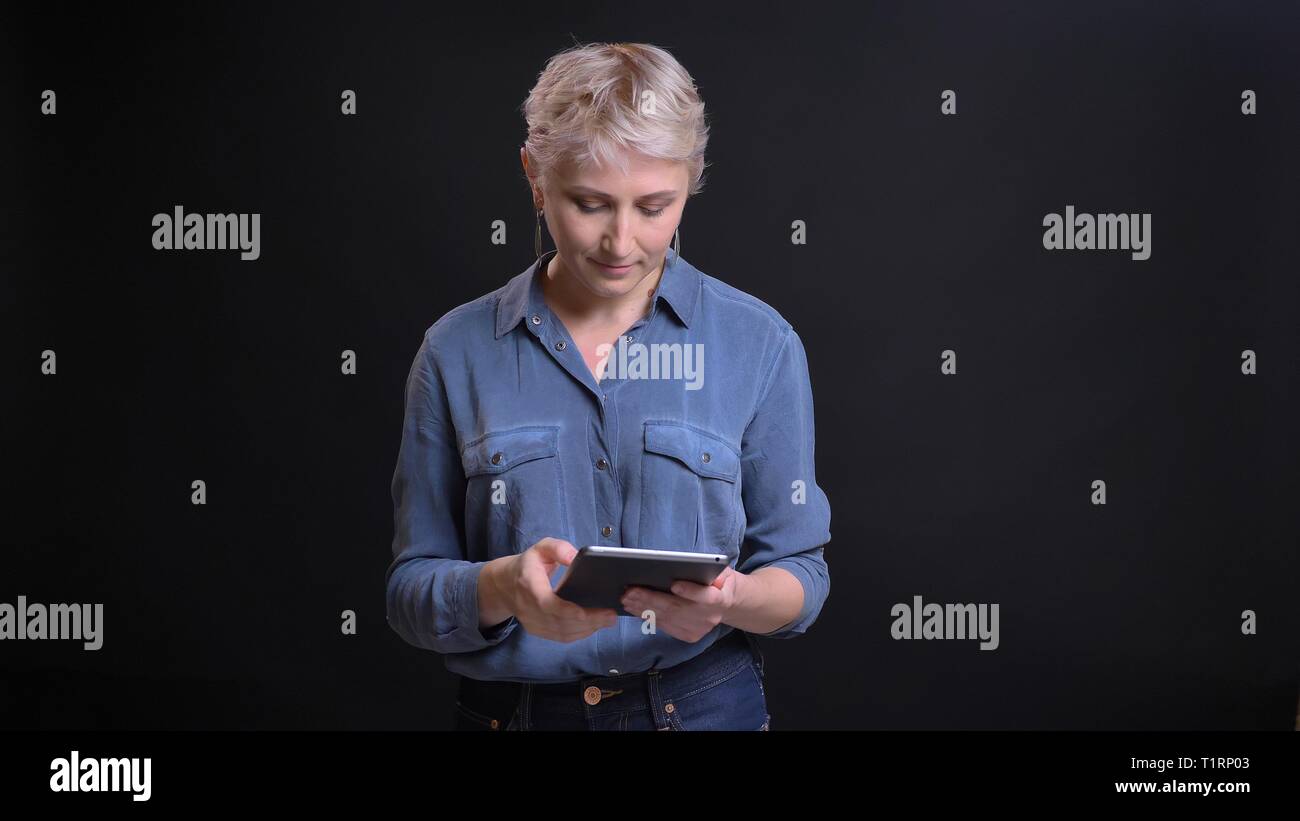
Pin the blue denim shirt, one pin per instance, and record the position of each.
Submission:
(712, 458)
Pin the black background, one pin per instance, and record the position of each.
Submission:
(924, 234)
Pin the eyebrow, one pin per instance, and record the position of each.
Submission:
(582, 189)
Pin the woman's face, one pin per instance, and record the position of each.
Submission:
(603, 216)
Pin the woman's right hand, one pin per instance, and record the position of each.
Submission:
(527, 585)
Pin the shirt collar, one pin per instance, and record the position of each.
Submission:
(679, 287)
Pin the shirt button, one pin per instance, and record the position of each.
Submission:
(601, 464)
(606, 530)
(561, 345)
(613, 671)
(591, 695)
(496, 458)
(706, 457)
(537, 320)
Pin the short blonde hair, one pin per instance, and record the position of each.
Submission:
(587, 108)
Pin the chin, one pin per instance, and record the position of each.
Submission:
(611, 289)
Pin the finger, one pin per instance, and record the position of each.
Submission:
(554, 550)
(558, 607)
(564, 552)
(538, 585)
(729, 589)
(588, 619)
(545, 547)
(643, 599)
(700, 593)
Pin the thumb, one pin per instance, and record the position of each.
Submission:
(564, 552)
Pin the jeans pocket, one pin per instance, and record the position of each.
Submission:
(468, 719)
(757, 671)
(734, 702)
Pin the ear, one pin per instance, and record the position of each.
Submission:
(537, 194)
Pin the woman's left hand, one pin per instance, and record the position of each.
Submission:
(692, 610)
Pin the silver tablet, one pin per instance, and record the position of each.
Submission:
(598, 575)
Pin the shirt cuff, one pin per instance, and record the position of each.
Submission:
(464, 609)
(802, 621)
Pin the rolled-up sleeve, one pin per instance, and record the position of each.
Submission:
(787, 514)
(432, 589)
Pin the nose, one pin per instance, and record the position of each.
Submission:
(619, 241)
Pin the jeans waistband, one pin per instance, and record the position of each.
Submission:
(630, 691)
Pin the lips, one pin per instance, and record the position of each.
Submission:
(614, 269)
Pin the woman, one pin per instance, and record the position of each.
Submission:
(609, 394)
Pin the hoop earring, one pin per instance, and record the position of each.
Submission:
(537, 239)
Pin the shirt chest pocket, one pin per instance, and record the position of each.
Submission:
(690, 489)
(514, 489)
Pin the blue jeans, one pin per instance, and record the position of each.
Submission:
(720, 689)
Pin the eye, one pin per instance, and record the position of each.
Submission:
(591, 209)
